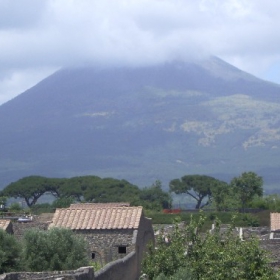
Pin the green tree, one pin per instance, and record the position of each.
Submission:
(169, 255)
(29, 188)
(10, 251)
(55, 249)
(111, 190)
(63, 202)
(224, 198)
(76, 186)
(154, 197)
(199, 187)
(247, 186)
(214, 255)
(269, 202)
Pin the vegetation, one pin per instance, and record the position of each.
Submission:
(268, 202)
(10, 253)
(29, 188)
(214, 255)
(247, 186)
(154, 198)
(206, 191)
(185, 252)
(199, 187)
(55, 249)
(241, 219)
(87, 189)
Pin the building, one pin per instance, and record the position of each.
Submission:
(274, 225)
(111, 230)
(6, 225)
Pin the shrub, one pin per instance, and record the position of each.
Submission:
(9, 253)
(55, 249)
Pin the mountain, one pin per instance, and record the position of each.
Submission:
(144, 123)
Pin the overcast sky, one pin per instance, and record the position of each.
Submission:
(37, 37)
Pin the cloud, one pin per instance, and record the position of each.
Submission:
(49, 34)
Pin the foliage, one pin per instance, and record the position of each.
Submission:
(40, 208)
(55, 249)
(75, 186)
(29, 188)
(169, 255)
(251, 221)
(182, 273)
(199, 187)
(88, 188)
(96, 265)
(246, 186)
(268, 202)
(214, 255)
(154, 197)
(63, 202)
(110, 190)
(224, 198)
(9, 253)
(15, 207)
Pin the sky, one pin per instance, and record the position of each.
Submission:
(38, 37)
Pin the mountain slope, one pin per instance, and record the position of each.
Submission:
(143, 124)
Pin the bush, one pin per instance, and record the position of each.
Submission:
(55, 249)
(15, 207)
(9, 253)
(181, 274)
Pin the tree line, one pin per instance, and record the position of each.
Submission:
(86, 189)
(205, 190)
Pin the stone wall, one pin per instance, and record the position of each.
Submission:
(83, 273)
(273, 247)
(258, 232)
(105, 244)
(122, 269)
(19, 228)
(145, 235)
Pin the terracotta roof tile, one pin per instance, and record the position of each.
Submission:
(4, 224)
(275, 221)
(104, 217)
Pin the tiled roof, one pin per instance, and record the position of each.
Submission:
(91, 205)
(98, 218)
(4, 224)
(274, 221)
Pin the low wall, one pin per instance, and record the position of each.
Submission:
(121, 269)
(83, 273)
(273, 247)
(19, 228)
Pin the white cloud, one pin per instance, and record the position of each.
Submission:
(48, 34)
(17, 81)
